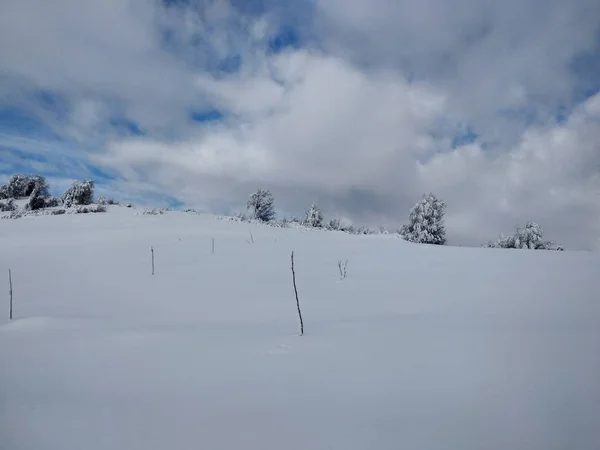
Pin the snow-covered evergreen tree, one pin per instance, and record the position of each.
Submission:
(80, 193)
(530, 237)
(426, 222)
(261, 205)
(21, 186)
(314, 217)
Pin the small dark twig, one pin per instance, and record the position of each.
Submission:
(152, 251)
(10, 293)
(297, 301)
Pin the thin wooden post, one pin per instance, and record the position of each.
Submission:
(152, 251)
(213, 246)
(297, 301)
(10, 294)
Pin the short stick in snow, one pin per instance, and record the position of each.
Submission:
(251, 241)
(152, 252)
(342, 266)
(297, 301)
(10, 294)
(213, 246)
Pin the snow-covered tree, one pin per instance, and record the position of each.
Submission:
(530, 237)
(334, 224)
(8, 205)
(261, 205)
(314, 217)
(426, 222)
(80, 193)
(36, 201)
(21, 186)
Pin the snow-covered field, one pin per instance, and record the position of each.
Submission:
(420, 347)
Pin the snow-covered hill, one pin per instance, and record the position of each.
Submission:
(420, 347)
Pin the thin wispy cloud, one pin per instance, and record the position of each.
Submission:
(359, 105)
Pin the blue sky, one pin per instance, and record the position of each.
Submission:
(360, 105)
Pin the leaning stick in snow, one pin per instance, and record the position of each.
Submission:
(342, 266)
(213, 246)
(297, 301)
(251, 237)
(10, 293)
(152, 251)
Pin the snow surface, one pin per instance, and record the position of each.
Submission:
(420, 347)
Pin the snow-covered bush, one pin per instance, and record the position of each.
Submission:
(261, 205)
(52, 202)
(8, 205)
(87, 209)
(530, 237)
(347, 229)
(314, 217)
(334, 225)
(80, 193)
(152, 212)
(21, 186)
(426, 222)
(36, 201)
(107, 201)
(16, 214)
(364, 230)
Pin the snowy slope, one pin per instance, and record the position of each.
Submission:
(420, 347)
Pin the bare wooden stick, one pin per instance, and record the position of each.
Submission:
(297, 301)
(213, 246)
(251, 237)
(342, 266)
(152, 251)
(10, 294)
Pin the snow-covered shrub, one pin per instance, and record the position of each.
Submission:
(529, 237)
(52, 202)
(314, 217)
(152, 212)
(16, 214)
(334, 225)
(347, 229)
(21, 186)
(261, 205)
(106, 201)
(36, 201)
(8, 205)
(87, 209)
(426, 222)
(80, 193)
